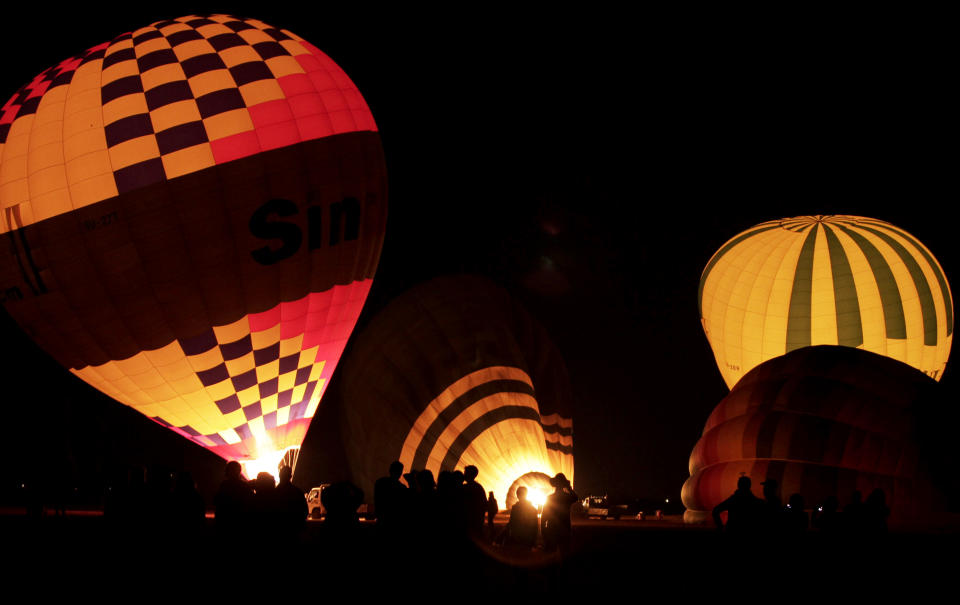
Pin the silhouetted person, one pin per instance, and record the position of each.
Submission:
(412, 485)
(341, 527)
(474, 501)
(744, 510)
(156, 514)
(234, 501)
(34, 498)
(555, 519)
(772, 521)
(136, 496)
(875, 512)
(795, 519)
(188, 509)
(265, 509)
(523, 521)
(291, 504)
(62, 489)
(341, 500)
(390, 499)
(492, 509)
(853, 514)
(450, 517)
(425, 506)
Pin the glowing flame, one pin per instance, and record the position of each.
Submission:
(269, 459)
(537, 497)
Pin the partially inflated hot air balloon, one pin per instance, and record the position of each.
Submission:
(452, 373)
(825, 421)
(192, 215)
(811, 280)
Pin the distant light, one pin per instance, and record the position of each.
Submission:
(667, 500)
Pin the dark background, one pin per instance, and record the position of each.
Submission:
(591, 163)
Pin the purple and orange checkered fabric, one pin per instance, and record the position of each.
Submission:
(165, 100)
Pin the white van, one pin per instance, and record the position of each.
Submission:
(315, 509)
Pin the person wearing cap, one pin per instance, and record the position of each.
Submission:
(555, 519)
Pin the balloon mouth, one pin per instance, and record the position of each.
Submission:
(512, 555)
(538, 488)
(271, 462)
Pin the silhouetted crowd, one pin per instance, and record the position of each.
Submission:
(261, 509)
(554, 523)
(455, 507)
(750, 515)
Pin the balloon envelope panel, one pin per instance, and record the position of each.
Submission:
(822, 421)
(193, 214)
(454, 373)
(836, 280)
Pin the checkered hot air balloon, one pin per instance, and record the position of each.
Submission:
(193, 213)
(837, 280)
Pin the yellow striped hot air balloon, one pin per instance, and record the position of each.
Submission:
(814, 280)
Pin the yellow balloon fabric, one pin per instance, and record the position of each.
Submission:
(825, 280)
(192, 216)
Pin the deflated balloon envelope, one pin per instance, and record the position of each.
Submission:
(454, 372)
(825, 421)
(193, 213)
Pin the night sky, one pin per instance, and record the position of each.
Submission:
(589, 163)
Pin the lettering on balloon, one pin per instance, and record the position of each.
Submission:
(13, 293)
(263, 228)
(102, 221)
(343, 218)
(28, 267)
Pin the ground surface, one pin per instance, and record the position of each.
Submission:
(627, 555)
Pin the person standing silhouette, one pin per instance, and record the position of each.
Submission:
(744, 510)
(233, 502)
(555, 519)
(523, 521)
(492, 509)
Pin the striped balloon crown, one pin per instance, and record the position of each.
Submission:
(825, 279)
